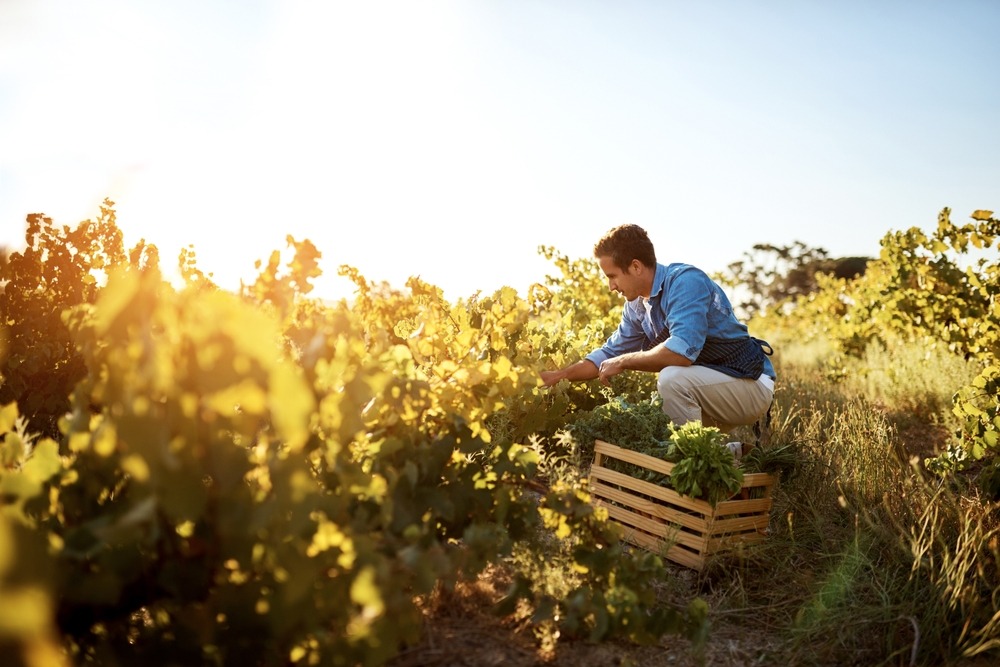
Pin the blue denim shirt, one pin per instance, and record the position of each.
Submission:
(687, 301)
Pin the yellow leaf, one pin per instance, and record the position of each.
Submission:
(7, 546)
(502, 367)
(136, 466)
(246, 394)
(44, 461)
(365, 593)
(292, 404)
(105, 439)
(115, 298)
(25, 611)
(466, 338)
(8, 417)
(11, 448)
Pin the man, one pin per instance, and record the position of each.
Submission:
(679, 323)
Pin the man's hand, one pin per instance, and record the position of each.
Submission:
(653, 360)
(609, 369)
(550, 378)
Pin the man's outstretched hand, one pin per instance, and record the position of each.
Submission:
(550, 378)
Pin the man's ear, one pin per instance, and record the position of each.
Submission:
(635, 267)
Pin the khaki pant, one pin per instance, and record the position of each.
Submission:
(698, 393)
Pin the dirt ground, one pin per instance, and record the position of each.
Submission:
(461, 630)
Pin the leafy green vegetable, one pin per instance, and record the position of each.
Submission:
(707, 468)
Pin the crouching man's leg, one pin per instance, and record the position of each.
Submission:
(698, 393)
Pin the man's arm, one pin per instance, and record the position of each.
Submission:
(653, 360)
(581, 370)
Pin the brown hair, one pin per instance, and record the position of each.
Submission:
(625, 243)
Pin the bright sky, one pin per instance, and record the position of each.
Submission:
(450, 139)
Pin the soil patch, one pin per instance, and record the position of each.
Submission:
(460, 629)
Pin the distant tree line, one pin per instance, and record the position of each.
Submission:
(769, 275)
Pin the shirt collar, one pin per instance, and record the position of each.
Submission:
(659, 280)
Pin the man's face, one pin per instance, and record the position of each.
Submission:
(624, 281)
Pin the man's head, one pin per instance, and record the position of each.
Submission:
(627, 259)
(626, 243)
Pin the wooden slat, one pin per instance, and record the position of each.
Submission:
(738, 525)
(750, 480)
(720, 545)
(682, 555)
(758, 479)
(667, 517)
(631, 456)
(666, 532)
(676, 553)
(755, 506)
(694, 522)
(664, 494)
(666, 467)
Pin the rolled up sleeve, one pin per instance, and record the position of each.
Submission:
(629, 337)
(687, 313)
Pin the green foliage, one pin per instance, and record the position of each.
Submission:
(705, 468)
(594, 593)
(779, 460)
(642, 427)
(977, 405)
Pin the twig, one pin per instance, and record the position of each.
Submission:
(727, 612)
(916, 638)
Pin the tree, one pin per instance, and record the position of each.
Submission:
(769, 275)
(58, 270)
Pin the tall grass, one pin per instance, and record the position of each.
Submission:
(912, 381)
(870, 560)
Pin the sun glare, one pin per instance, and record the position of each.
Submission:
(340, 139)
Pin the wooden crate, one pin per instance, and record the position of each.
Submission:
(684, 529)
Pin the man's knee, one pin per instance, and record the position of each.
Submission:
(679, 402)
(670, 381)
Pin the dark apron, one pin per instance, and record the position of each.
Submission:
(740, 357)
